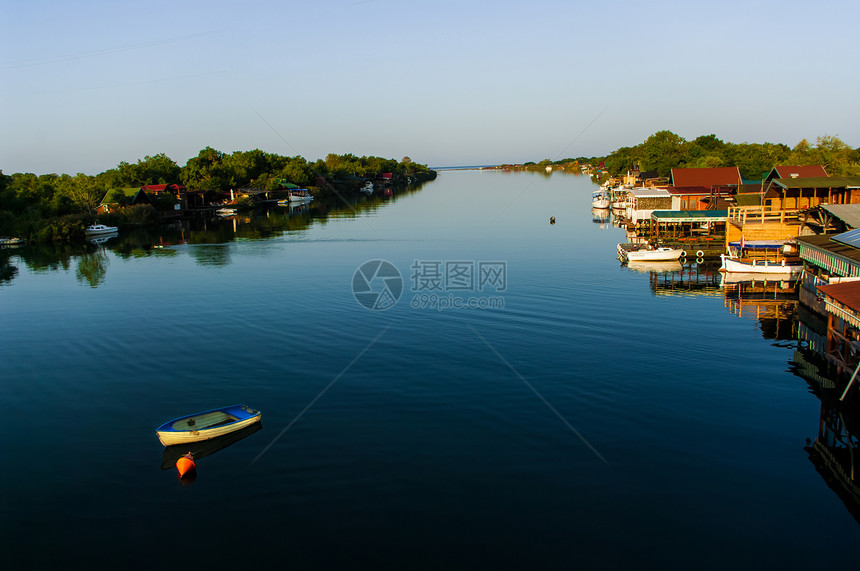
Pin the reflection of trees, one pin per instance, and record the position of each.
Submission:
(211, 255)
(92, 268)
(7, 270)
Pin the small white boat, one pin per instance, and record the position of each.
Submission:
(300, 195)
(225, 211)
(95, 229)
(731, 278)
(207, 425)
(367, 188)
(600, 200)
(11, 241)
(633, 253)
(738, 266)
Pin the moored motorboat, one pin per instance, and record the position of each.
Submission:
(207, 425)
(300, 195)
(600, 200)
(226, 211)
(785, 266)
(642, 253)
(96, 229)
(11, 241)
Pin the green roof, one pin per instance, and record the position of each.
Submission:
(690, 215)
(819, 182)
(749, 199)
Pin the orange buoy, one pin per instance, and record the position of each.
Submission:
(186, 465)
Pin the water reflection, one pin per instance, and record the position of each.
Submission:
(210, 236)
(206, 448)
(836, 456)
(835, 449)
(773, 303)
(7, 270)
(674, 278)
(655, 267)
(92, 268)
(211, 254)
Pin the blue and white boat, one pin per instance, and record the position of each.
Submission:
(207, 425)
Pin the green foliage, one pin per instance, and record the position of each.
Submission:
(665, 150)
(55, 208)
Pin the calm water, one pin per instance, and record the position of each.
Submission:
(602, 418)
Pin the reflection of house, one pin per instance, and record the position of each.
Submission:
(773, 304)
(691, 280)
(842, 302)
(836, 455)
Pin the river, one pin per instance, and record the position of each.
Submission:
(447, 380)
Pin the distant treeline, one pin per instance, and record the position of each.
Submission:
(665, 150)
(47, 207)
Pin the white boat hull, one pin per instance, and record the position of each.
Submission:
(600, 203)
(735, 266)
(100, 229)
(655, 255)
(169, 438)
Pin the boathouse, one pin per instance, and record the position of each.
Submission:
(796, 193)
(644, 201)
(700, 233)
(828, 259)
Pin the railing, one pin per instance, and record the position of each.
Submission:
(761, 215)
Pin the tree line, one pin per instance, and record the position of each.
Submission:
(665, 150)
(50, 206)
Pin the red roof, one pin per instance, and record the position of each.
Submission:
(706, 177)
(848, 294)
(156, 188)
(800, 172)
(691, 190)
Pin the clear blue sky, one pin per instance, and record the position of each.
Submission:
(85, 85)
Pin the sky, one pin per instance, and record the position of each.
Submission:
(86, 85)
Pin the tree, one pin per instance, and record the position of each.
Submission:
(84, 192)
(206, 171)
(663, 151)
